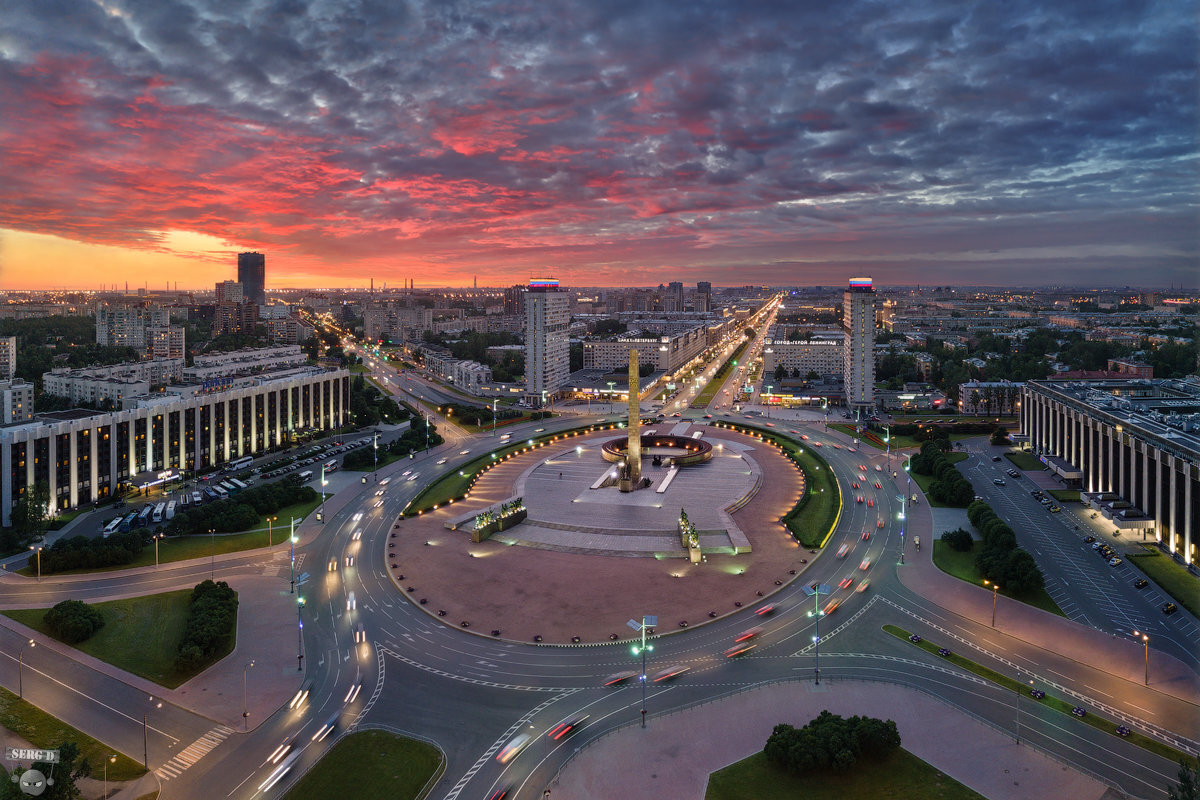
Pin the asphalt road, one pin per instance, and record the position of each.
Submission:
(473, 694)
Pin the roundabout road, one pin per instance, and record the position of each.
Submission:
(471, 694)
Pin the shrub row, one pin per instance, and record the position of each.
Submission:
(1000, 560)
(411, 440)
(80, 552)
(211, 621)
(830, 743)
(241, 512)
(951, 486)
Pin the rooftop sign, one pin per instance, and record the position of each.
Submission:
(543, 283)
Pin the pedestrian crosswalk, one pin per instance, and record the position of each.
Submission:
(193, 753)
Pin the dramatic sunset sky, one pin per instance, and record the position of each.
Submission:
(604, 142)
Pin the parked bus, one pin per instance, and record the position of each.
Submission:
(185, 501)
(170, 510)
(127, 522)
(229, 488)
(159, 511)
(112, 527)
(331, 466)
(143, 517)
(221, 492)
(239, 485)
(210, 494)
(242, 463)
(196, 498)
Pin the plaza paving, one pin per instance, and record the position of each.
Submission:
(525, 591)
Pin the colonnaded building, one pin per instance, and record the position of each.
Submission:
(1131, 446)
(84, 455)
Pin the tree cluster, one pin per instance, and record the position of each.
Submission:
(211, 621)
(959, 539)
(29, 518)
(73, 621)
(241, 512)
(369, 406)
(80, 552)
(1000, 560)
(831, 743)
(951, 486)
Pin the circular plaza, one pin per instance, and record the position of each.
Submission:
(586, 556)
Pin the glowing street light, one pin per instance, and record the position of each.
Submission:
(648, 621)
(995, 589)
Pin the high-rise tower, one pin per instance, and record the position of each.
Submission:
(252, 275)
(858, 355)
(547, 349)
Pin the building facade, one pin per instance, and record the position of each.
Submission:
(1132, 446)
(667, 353)
(128, 325)
(8, 357)
(16, 402)
(244, 362)
(252, 275)
(858, 352)
(83, 457)
(230, 292)
(822, 354)
(547, 348)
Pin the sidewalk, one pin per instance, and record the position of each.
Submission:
(1119, 657)
(668, 759)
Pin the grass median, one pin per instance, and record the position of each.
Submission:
(710, 389)
(962, 566)
(812, 519)
(141, 635)
(901, 774)
(1025, 461)
(1171, 576)
(384, 766)
(46, 732)
(1063, 706)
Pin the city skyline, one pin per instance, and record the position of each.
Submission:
(619, 146)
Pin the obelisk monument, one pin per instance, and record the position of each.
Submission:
(634, 449)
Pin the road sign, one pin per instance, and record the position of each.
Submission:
(303, 578)
(900, 497)
(633, 623)
(650, 620)
(818, 588)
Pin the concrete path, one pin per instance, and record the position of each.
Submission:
(669, 759)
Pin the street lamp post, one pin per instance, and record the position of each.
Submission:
(110, 760)
(1017, 703)
(212, 565)
(299, 635)
(1145, 642)
(292, 540)
(245, 695)
(156, 537)
(323, 485)
(375, 445)
(270, 532)
(494, 404)
(38, 551)
(887, 440)
(765, 405)
(648, 621)
(817, 590)
(995, 590)
(611, 384)
(21, 669)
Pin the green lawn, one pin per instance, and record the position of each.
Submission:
(1025, 461)
(813, 518)
(962, 566)
(140, 634)
(44, 731)
(1173, 578)
(60, 520)
(1065, 495)
(382, 766)
(925, 481)
(183, 548)
(1062, 706)
(900, 775)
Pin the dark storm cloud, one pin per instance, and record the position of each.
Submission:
(518, 134)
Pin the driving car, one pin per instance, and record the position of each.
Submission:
(845, 583)
(998, 481)
(865, 564)
(617, 678)
(747, 635)
(566, 727)
(739, 649)
(843, 550)
(670, 673)
(513, 748)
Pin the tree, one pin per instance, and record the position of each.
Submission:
(999, 436)
(959, 540)
(1189, 786)
(29, 515)
(73, 621)
(780, 373)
